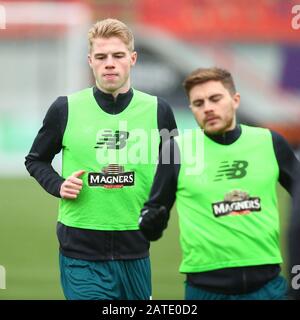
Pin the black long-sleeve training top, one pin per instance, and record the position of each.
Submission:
(76, 242)
(230, 280)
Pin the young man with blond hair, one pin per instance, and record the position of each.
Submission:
(228, 216)
(103, 255)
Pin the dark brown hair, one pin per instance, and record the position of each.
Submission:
(203, 75)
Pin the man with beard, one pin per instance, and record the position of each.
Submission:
(227, 208)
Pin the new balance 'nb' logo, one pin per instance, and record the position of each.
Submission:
(236, 170)
(112, 140)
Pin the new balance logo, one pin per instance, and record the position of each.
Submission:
(112, 140)
(236, 170)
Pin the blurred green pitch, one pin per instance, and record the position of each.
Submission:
(29, 248)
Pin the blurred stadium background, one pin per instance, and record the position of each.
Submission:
(43, 55)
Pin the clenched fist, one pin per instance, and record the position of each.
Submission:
(153, 221)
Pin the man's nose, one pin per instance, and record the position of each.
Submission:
(110, 62)
(208, 107)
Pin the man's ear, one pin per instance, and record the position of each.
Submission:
(237, 100)
(133, 58)
(90, 60)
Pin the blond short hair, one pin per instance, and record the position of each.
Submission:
(111, 28)
(203, 75)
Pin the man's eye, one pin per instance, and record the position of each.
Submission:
(100, 58)
(198, 104)
(216, 99)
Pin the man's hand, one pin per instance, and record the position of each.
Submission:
(153, 221)
(71, 187)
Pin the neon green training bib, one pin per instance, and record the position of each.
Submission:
(228, 213)
(118, 153)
